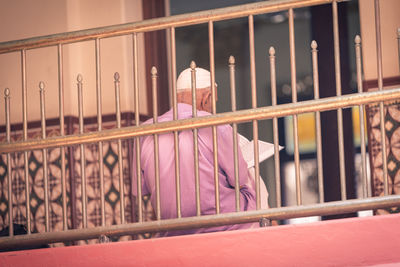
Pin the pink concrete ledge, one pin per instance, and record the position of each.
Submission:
(371, 241)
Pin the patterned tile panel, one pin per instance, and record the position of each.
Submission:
(74, 202)
(392, 140)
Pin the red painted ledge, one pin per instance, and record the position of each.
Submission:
(370, 241)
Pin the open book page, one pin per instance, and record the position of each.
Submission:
(265, 150)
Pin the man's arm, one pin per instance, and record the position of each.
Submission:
(226, 157)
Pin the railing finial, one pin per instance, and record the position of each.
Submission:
(314, 45)
(192, 65)
(153, 71)
(272, 51)
(357, 39)
(41, 85)
(231, 60)
(116, 76)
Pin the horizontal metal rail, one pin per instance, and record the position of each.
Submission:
(323, 104)
(159, 23)
(330, 208)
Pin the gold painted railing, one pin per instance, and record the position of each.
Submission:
(159, 23)
(262, 113)
(338, 207)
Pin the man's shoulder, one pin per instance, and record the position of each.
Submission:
(167, 116)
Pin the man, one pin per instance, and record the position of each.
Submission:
(187, 167)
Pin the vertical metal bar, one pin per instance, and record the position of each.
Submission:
(120, 169)
(73, 181)
(9, 175)
(380, 87)
(131, 171)
(294, 100)
(275, 128)
(137, 122)
(44, 153)
(339, 93)
(254, 105)
(25, 134)
(99, 123)
(214, 111)
(82, 150)
(235, 135)
(156, 147)
(366, 187)
(195, 140)
(175, 117)
(62, 133)
(314, 51)
(398, 45)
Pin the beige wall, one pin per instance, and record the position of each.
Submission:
(390, 22)
(27, 18)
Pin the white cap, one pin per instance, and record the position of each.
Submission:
(184, 81)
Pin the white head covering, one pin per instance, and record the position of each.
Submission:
(184, 81)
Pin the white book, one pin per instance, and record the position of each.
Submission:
(265, 150)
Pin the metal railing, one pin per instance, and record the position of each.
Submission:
(253, 115)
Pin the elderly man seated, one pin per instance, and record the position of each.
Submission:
(187, 167)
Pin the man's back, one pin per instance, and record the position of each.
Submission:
(187, 172)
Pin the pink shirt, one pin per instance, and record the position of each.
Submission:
(187, 173)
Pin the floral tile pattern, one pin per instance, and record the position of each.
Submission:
(34, 167)
(392, 141)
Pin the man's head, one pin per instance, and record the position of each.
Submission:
(203, 88)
